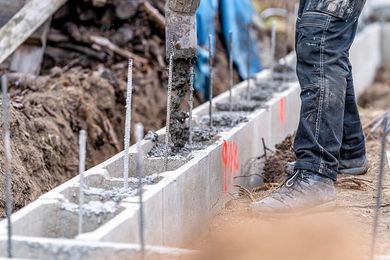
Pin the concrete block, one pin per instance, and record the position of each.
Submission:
(124, 228)
(62, 249)
(46, 218)
(365, 56)
(385, 43)
(292, 108)
(219, 180)
(185, 201)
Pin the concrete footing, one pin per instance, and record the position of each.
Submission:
(177, 203)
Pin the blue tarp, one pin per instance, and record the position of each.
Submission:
(235, 16)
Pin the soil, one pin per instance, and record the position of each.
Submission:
(275, 165)
(45, 121)
(356, 201)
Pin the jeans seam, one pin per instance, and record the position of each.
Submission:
(322, 89)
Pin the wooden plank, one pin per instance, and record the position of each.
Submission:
(8, 8)
(24, 23)
(29, 56)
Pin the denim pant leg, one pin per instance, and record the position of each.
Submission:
(353, 145)
(323, 42)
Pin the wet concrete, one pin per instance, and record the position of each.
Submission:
(152, 136)
(202, 136)
(159, 151)
(264, 90)
(239, 105)
(181, 80)
(93, 208)
(223, 121)
(284, 73)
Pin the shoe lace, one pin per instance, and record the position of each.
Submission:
(294, 183)
(297, 178)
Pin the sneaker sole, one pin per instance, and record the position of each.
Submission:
(354, 171)
(328, 206)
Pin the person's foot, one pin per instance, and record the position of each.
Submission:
(354, 166)
(303, 191)
(351, 167)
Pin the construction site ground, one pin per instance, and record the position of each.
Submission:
(356, 200)
(81, 88)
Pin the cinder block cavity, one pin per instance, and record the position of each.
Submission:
(52, 220)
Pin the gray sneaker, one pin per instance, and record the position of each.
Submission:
(351, 167)
(304, 191)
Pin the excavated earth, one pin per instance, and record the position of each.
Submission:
(356, 203)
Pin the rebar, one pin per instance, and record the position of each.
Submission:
(7, 163)
(286, 42)
(190, 106)
(273, 47)
(211, 82)
(248, 59)
(128, 124)
(230, 70)
(169, 96)
(139, 132)
(379, 187)
(82, 156)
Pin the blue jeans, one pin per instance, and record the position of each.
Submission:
(329, 127)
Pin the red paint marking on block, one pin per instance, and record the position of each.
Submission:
(225, 154)
(282, 110)
(231, 163)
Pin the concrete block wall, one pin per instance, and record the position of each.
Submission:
(188, 195)
(365, 55)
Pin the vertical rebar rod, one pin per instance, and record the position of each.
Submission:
(82, 156)
(248, 58)
(230, 69)
(379, 188)
(128, 124)
(169, 95)
(190, 106)
(287, 18)
(211, 83)
(273, 47)
(8, 175)
(139, 132)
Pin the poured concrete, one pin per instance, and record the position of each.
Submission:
(177, 203)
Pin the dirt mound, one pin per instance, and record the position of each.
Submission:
(276, 164)
(46, 115)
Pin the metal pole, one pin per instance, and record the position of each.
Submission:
(273, 47)
(248, 58)
(82, 151)
(230, 69)
(287, 18)
(211, 83)
(128, 124)
(191, 105)
(169, 95)
(379, 188)
(139, 131)
(8, 176)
